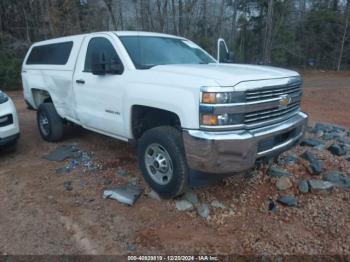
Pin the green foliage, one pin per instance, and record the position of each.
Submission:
(10, 71)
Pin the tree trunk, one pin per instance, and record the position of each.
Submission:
(181, 17)
(108, 3)
(347, 14)
(268, 34)
(121, 18)
(220, 18)
(234, 21)
(174, 16)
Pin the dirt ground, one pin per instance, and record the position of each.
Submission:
(38, 216)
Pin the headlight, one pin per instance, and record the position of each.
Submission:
(223, 97)
(221, 120)
(3, 97)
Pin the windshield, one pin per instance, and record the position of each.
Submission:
(149, 51)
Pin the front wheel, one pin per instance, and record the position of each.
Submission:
(50, 124)
(162, 160)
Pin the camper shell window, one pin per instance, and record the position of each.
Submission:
(52, 54)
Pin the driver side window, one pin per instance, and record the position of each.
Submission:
(103, 48)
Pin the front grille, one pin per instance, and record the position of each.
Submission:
(271, 114)
(278, 112)
(273, 92)
(6, 120)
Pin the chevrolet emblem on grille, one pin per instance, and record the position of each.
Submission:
(285, 100)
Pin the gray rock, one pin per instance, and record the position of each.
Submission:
(154, 195)
(337, 149)
(104, 181)
(277, 172)
(271, 206)
(343, 140)
(320, 186)
(328, 136)
(289, 201)
(303, 186)
(320, 147)
(323, 127)
(68, 185)
(319, 133)
(337, 178)
(217, 204)
(192, 197)
(122, 172)
(289, 160)
(203, 210)
(183, 205)
(315, 165)
(283, 183)
(311, 142)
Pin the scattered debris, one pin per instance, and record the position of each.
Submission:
(68, 185)
(134, 181)
(183, 205)
(62, 153)
(283, 183)
(320, 186)
(126, 194)
(104, 181)
(315, 165)
(277, 172)
(122, 172)
(217, 204)
(303, 186)
(272, 206)
(203, 210)
(289, 201)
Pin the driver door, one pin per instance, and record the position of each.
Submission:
(99, 97)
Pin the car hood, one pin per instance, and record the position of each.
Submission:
(228, 74)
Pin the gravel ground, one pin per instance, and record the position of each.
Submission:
(44, 211)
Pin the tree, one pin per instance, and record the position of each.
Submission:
(347, 15)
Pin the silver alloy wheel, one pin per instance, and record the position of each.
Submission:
(44, 124)
(158, 164)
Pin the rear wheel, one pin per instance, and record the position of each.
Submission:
(50, 124)
(162, 161)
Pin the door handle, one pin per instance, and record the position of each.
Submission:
(80, 81)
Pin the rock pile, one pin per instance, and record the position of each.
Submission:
(319, 165)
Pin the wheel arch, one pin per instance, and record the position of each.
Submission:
(144, 118)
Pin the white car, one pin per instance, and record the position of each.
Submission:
(187, 112)
(9, 127)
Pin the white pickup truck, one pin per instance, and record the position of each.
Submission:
(185, 110)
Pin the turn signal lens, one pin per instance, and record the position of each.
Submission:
(223, 97)
(209, 120)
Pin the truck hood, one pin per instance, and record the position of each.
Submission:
(227, 74)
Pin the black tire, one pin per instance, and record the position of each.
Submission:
(55, 125)
(169, 139)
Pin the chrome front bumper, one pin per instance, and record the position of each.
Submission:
(238, 151)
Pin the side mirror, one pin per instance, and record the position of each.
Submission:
(116, 68)
(230, 58)
(98, 66)
(223, 54)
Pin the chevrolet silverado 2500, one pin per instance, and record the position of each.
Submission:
(184, 109)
